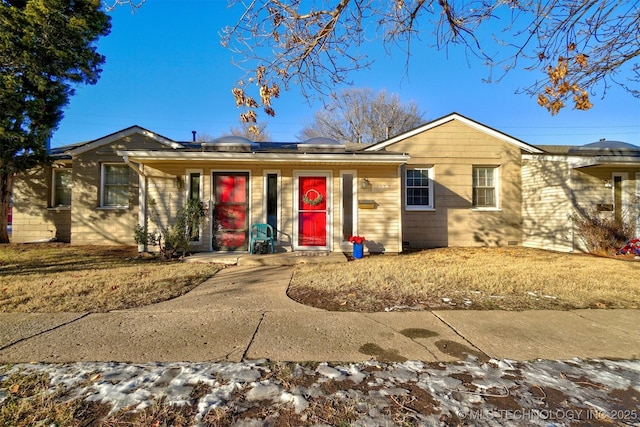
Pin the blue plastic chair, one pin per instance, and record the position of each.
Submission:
(261, 233)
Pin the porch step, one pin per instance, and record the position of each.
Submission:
(311, 253)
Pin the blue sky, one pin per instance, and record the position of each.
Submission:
(166, 71)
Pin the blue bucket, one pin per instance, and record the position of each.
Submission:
(358, 250)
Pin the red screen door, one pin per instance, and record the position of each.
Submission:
(230, 226)
(312, 211)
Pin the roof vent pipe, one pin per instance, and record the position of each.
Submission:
(193, 132)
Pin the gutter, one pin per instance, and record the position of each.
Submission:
(265, 157)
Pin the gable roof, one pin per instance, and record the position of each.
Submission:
(96, 143)
(448, 118)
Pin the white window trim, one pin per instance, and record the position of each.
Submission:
(430, 206)
(354, 192)
(53, 189)
(496, 180)
(187, 189)
(265, 174)
(102, 180)
(187, 180)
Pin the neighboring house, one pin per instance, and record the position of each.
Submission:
(450, 182)
(602, 177)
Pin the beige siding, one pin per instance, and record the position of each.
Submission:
(553, 191)
(86, 222)
(91, 223)
(381, 225)
(452, 149)
(547, 206)
(33, 219)
(165, 185)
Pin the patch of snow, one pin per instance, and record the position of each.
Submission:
(264, 391)
(468, 391)
(327, 371)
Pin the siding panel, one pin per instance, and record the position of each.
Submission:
(453, 149)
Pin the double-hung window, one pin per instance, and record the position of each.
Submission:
(419, 189)
(485, 194)
(61, 194)
(115, 186)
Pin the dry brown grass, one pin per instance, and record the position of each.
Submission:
(490, 278)
(64, 278)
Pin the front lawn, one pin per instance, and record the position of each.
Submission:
(66, 278)
(512, 278)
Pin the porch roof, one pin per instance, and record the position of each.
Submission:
(353, 158)
(600, 154)
(605, 161)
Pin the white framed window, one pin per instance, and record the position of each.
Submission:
(418, 188)
(194, 184)
(114, 191)
(61, 188)
(485, 187)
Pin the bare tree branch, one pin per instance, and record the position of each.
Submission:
(361, 115)
(110, 5)
(590, 43)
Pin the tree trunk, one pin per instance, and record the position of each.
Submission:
(6, 188)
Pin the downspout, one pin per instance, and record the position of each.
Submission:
(142, 199)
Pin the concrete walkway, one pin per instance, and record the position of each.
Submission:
(243, 313)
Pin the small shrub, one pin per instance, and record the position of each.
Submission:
(175, 237)
(602, 233)
(143, 237)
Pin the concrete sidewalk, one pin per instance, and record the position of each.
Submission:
(243, 313)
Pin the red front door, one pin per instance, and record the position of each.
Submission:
(230, 220)
(312, 211)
